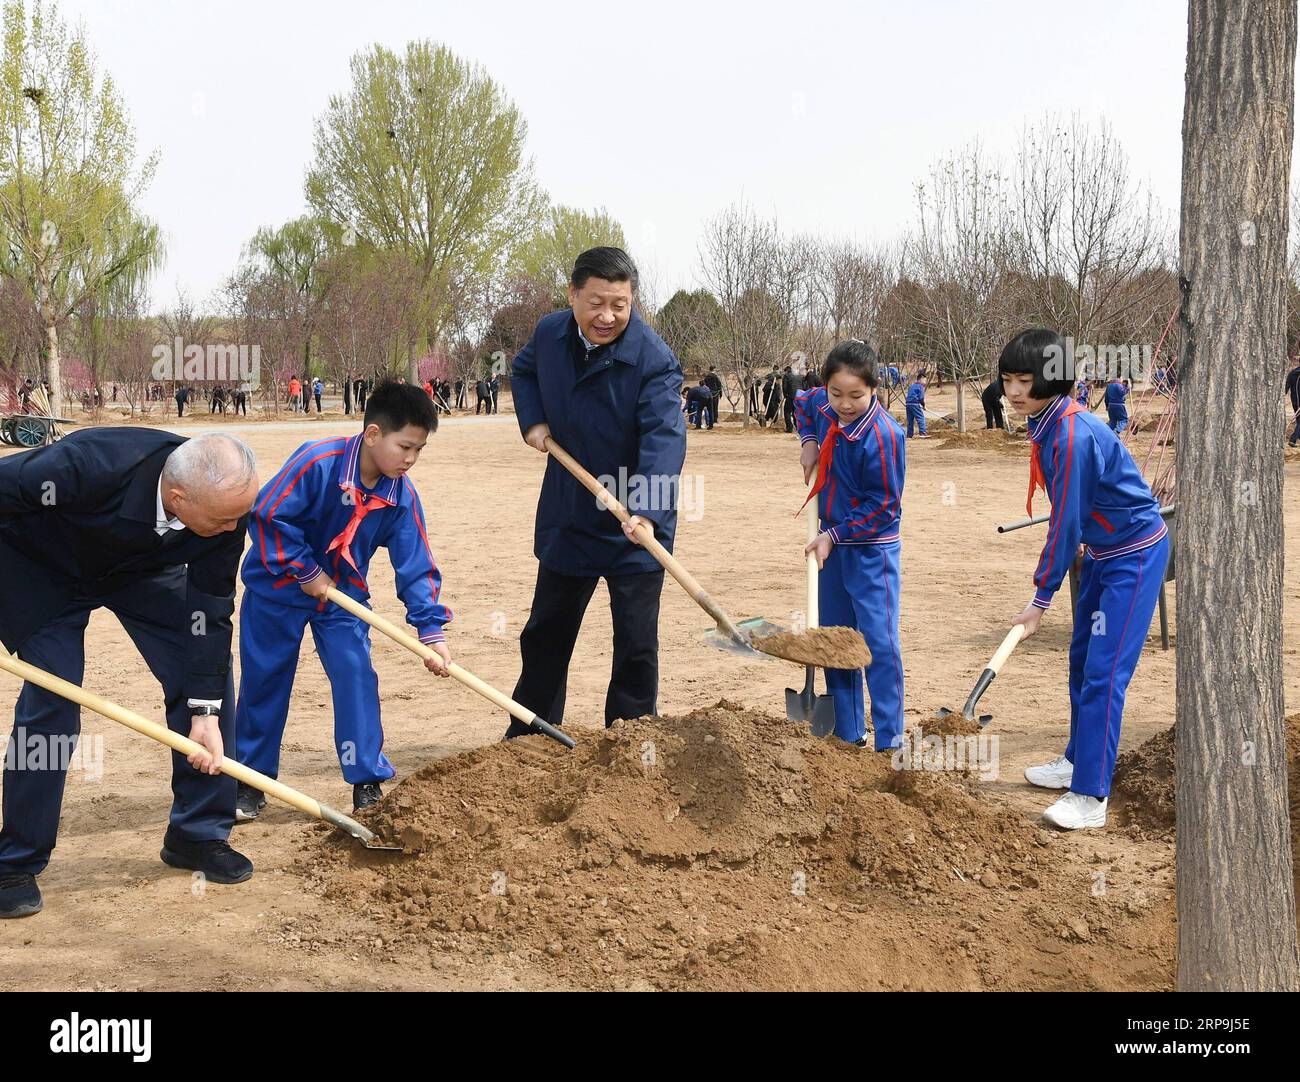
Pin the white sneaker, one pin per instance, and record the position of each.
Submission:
(1075, 811)
(1054, 775)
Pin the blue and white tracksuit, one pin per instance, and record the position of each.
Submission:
(916, 407)
(1099, 498)
(315, 517)
(1116, 410)
(860, 505)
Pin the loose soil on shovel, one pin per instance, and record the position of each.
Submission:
(825, 647)
(728, 849)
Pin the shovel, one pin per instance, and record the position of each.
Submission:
(522, 713)
(728, 635)
(187, 747)
(807, 705)
(986, 677)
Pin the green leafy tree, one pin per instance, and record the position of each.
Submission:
(68, 174)
(425, 155)
(690, 323)
(547, 256)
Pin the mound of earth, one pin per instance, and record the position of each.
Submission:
(729, 849)
(1142, 788)
(981, 438)
(1142, 792)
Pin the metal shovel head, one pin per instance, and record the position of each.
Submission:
(748, 629)
(348, 825)
(823, 719)
(818, 711)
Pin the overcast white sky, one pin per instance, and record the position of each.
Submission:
(824, 113)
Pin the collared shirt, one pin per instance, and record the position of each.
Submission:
(861, 500)
(165, 521)
(1099, 496)
(311, 503)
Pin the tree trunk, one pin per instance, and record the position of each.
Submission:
(961, 405)
(1236, 910)
(53, 369)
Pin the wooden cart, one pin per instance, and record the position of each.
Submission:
(30, 429)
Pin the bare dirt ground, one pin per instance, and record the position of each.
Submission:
(315, 916)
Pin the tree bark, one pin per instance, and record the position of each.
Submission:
(1236, 909)
(53, 367)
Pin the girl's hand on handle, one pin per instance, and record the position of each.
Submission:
(317, 587)
(821, 548)
(439, 667)
(808, 460)
(1029, 619)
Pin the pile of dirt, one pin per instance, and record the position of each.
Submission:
(1142, 790)
(983, 439)
(825, 647)
(729, 849)
(1142, 787)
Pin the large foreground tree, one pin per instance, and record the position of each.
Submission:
(1236, 908)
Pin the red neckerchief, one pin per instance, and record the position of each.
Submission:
(1037, 479)
(362, 504)
(824, 461)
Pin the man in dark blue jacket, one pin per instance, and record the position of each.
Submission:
(598, 379)
(150, 526)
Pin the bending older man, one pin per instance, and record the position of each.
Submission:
(150, 526)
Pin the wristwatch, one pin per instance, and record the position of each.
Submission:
(207, 710)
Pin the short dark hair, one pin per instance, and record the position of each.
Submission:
(611, 264)
(392, 406)
(1028, 354)
(855, 357)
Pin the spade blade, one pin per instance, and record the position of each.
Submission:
(719, 639)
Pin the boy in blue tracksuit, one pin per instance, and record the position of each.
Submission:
(316, 524)
(1116, 410)
(1100, 500)
(856, 450)
(916, 406)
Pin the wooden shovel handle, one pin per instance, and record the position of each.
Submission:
(645, 534)
(814, 528)
(387, 627)
(160, 733)
(1003, 652)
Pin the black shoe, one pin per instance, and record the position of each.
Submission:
(248, 803)
(215, 859)
(365, 794)
(19, 895)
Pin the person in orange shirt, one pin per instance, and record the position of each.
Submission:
(295, 393)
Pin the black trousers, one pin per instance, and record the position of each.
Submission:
(546, 643)
(154, 612)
